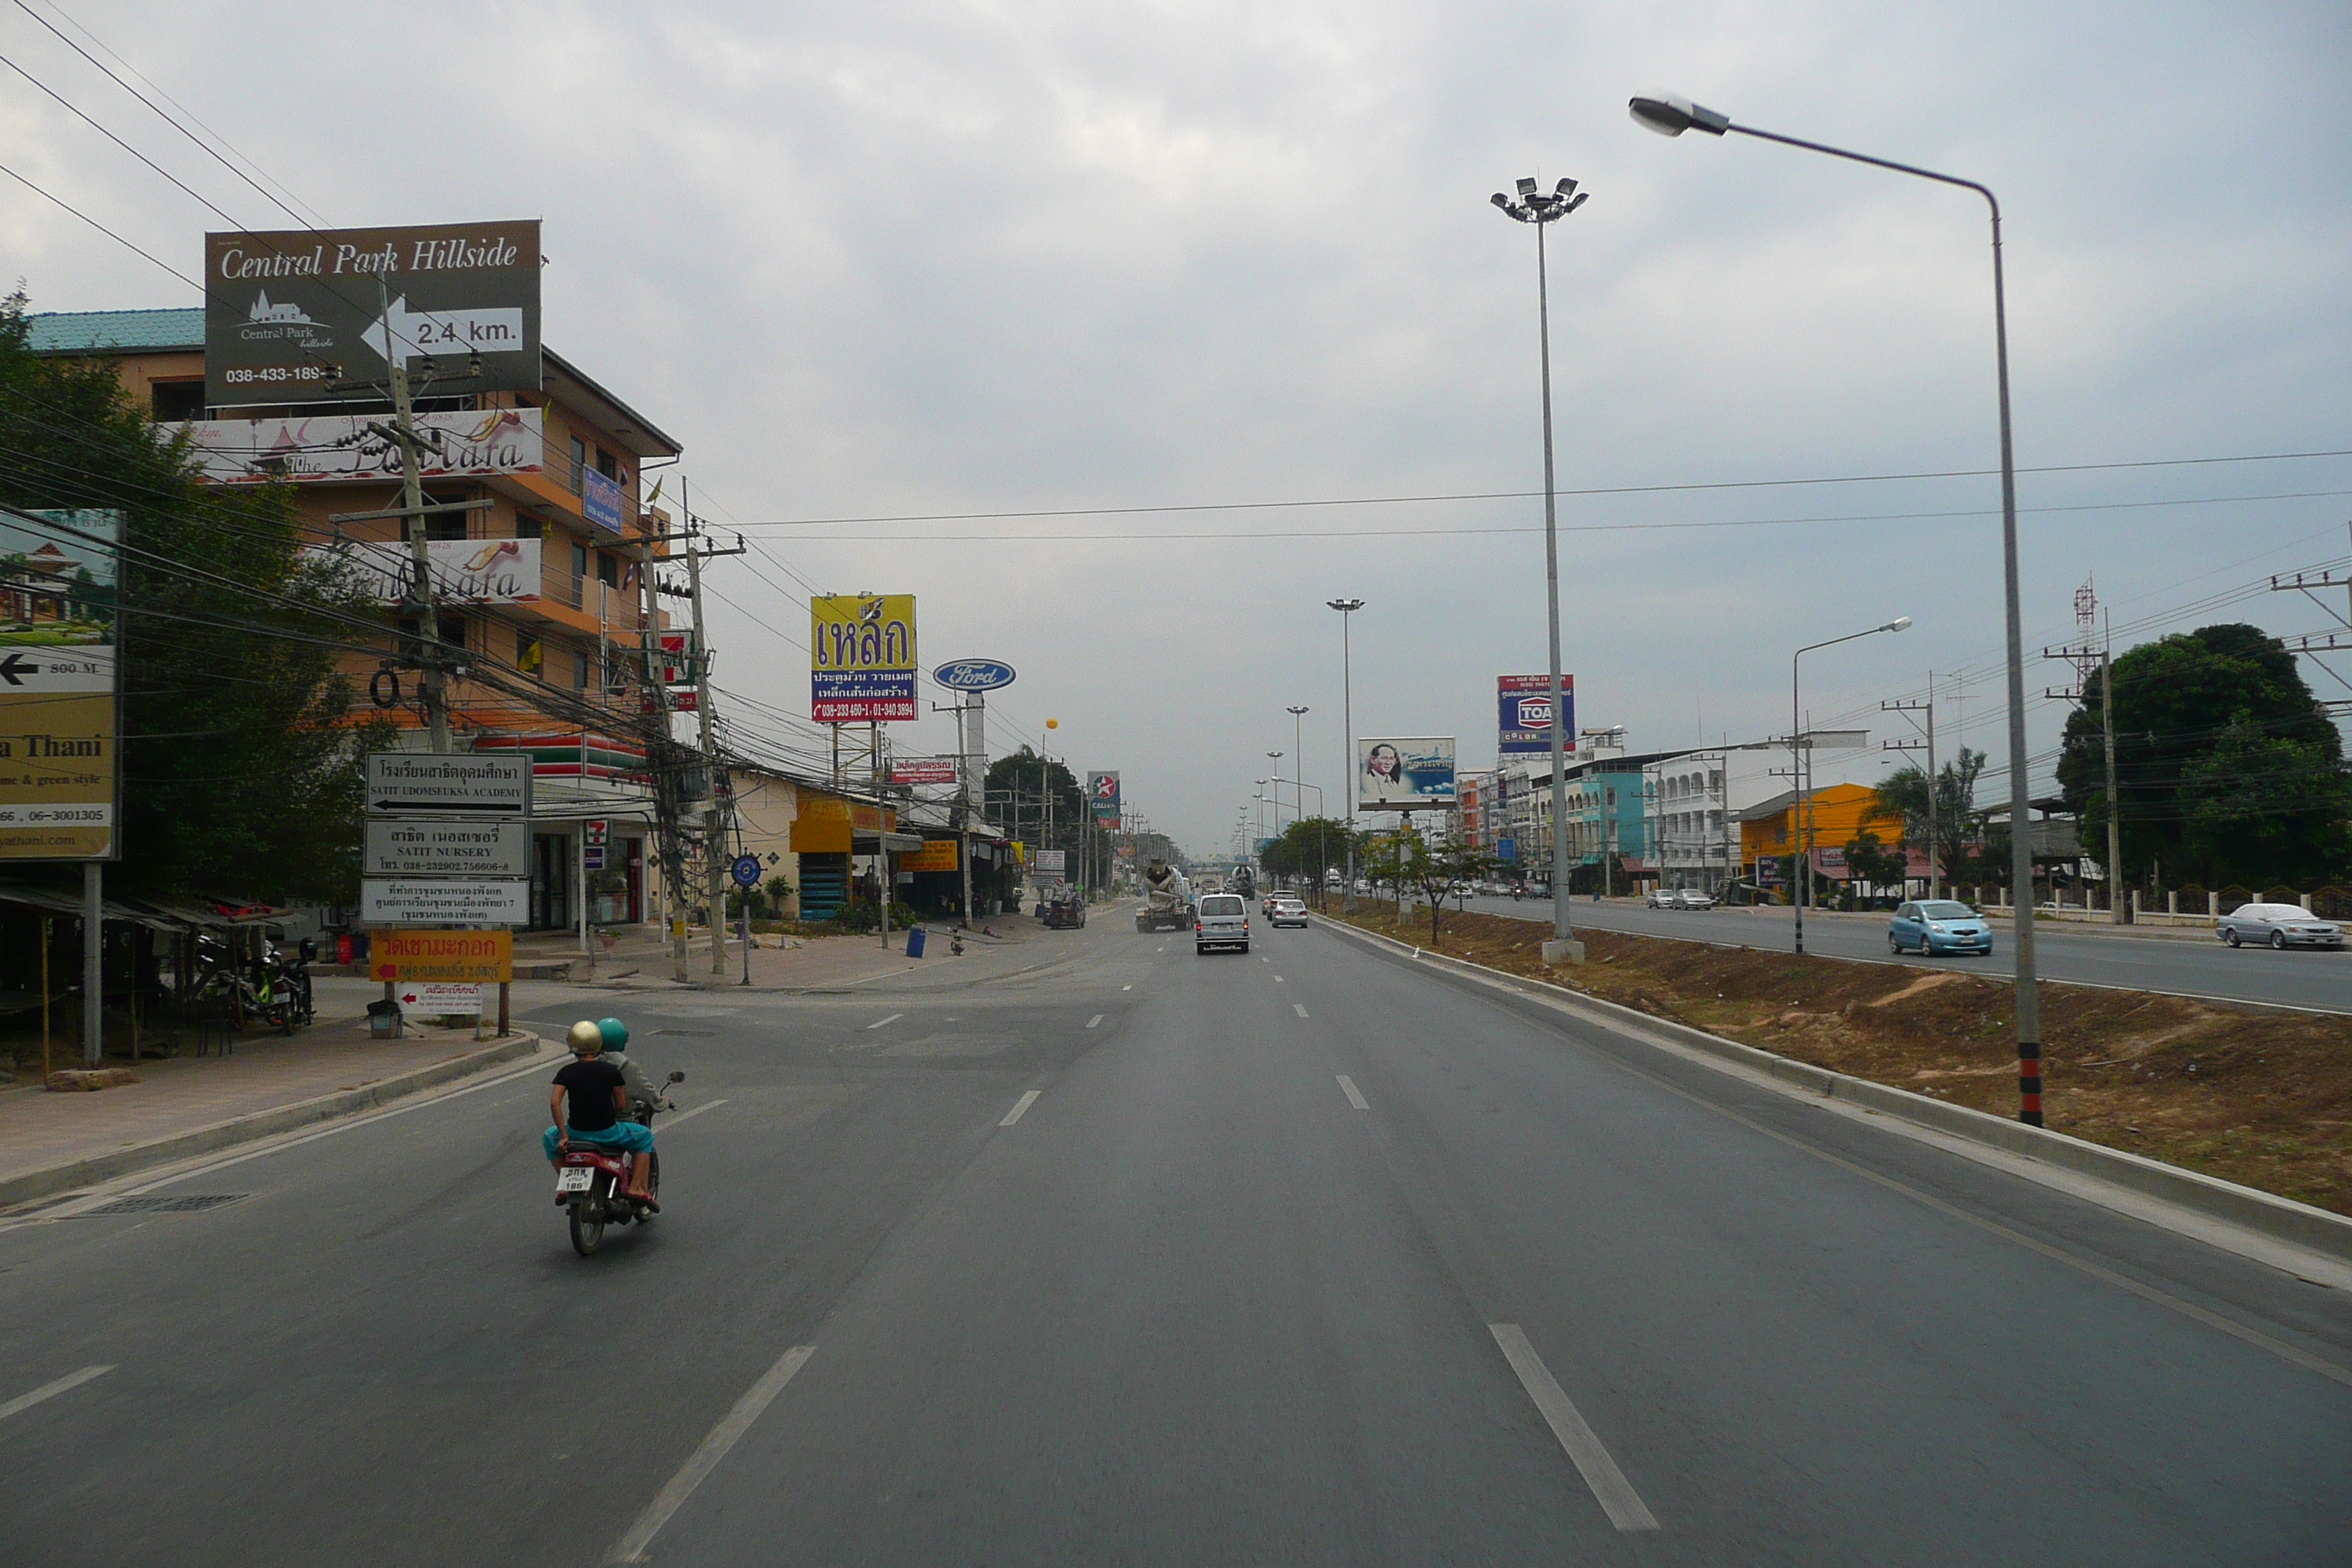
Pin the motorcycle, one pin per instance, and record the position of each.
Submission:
(592, 1185)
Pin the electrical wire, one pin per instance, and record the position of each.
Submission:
(101, 228)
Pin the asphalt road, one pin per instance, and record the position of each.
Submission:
(1138, 1257)
(2194, 966)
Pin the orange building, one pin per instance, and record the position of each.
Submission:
(540, 569)
(1832, 817)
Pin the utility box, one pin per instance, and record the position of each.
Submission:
(384, 1020)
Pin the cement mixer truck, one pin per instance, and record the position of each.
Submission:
(1167, 900)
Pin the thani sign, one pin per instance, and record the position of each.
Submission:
(1523, 716)
(861, 658)
(974, 675)
(312, 315)
(59, 714)
(340, 447)
(1410, 773)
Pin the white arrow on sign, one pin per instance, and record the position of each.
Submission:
(493, 330)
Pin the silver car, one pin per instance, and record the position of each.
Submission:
(2277, 925)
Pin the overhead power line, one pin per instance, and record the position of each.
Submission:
(101, 228)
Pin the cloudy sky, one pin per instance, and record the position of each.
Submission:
(894, 261)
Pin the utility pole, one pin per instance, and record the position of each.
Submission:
(2118, 902)
(715, 812)
(402, 433)
(1933, 786)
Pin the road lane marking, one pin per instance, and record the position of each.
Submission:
(51, 1390)
(705, 1459)
(1265, 961)
(1019, 1106)
(1277, 980)
(1127, 988)
(1616, 1494)
(1355, 1096)
(1093, 1021)
(891, 1019)
(1297, 1009)
(690, 1115)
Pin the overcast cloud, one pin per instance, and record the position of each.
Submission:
(873, 261)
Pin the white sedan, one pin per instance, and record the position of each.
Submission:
(2277, 925)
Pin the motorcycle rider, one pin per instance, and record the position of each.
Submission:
(597, 1114)
(643, 1094)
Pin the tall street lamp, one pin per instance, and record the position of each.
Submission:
(1671, 116)
(1800, 883)
(1298, 712)
(1539, 210)
(1347, 608)
(1275, 758)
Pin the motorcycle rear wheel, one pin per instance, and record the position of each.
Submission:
(587, 1216)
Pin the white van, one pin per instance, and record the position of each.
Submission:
(1221, 920)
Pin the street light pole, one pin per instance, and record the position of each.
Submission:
(1801, 881)
(1347, 608)
(1541, 210)
(1275, 758)
(1671, 116)
(1298, 712)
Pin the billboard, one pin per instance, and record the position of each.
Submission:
(862, 658)
(310, 315)
(922, 771)
(973, 673)
(1523, 712)
(341, 446)
(1406, 773)
(464, 571)
(1102, 795)
(59, 715)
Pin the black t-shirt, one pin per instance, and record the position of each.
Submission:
(590, 1083)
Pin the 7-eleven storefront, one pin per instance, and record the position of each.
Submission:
(592, 830)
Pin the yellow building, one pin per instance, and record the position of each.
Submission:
(1829, 819)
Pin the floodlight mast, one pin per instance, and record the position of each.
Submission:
(1670, 115)
(1539, 211)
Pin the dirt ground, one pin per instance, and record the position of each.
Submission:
(2261, 1099)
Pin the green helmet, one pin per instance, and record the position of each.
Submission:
(615, 1033)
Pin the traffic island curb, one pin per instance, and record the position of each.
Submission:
(50, 1180)
(2276, 1218)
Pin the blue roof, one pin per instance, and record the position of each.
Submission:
(83, 331)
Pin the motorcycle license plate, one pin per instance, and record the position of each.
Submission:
(575, 1179)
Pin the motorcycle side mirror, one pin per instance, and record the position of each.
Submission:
(678, 1078)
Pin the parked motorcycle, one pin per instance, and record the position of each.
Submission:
(592, 1185)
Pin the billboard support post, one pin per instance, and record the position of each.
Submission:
(403, 435)
(93, 965)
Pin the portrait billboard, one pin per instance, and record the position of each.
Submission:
(861, 658)
(1523, 712)
(1102, 795)
(313, 315)
(1404, 773)
(59, 711)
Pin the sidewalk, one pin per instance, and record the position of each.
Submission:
(787, 964)
(52, 1141)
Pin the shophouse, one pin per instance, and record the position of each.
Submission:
(540, 559)
(1825, 822)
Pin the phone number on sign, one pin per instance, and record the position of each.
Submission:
(862, 712)
(246, 375)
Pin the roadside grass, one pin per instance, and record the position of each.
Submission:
(2261, 1099)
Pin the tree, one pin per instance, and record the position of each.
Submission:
(241, 768)
(1308, 849)
(2228, 769)
(1878, 864)
(1905, 793)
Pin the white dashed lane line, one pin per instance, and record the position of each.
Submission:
(1277, 980)
(891, 1019)
(1297, 1009)
(71, 1380)
(1093, 1021)
(1617, 1497)
(1355, 1096)
(1019, 1106)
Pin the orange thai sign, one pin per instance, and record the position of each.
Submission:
(442, 957)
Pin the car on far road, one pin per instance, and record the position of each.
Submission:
(1221, 920)
(2277, 925)
(1288, 911)
(1663, 899)
(1694, 899)
(1937, 925)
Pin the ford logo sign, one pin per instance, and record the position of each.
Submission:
(973, 675)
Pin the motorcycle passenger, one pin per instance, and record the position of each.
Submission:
(597, 1112)
(644, 1096)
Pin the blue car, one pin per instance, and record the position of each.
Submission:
(1931, 926)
